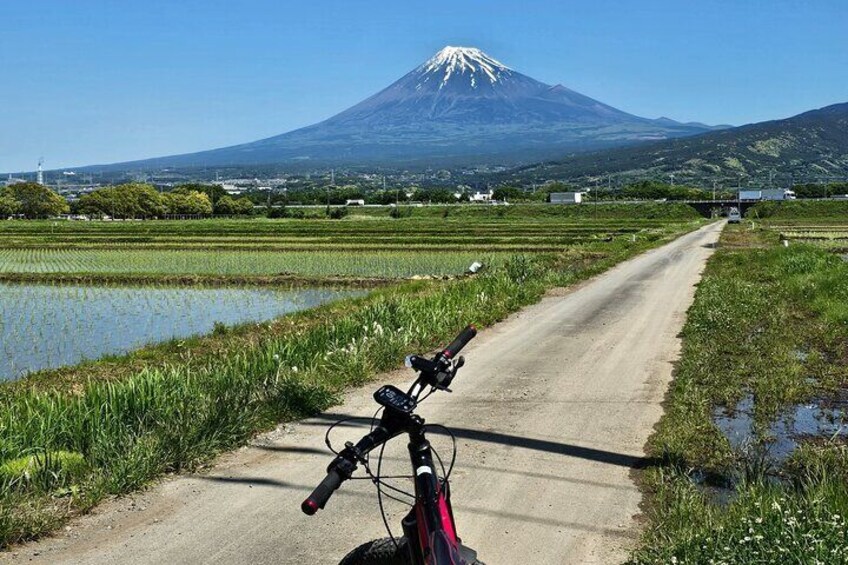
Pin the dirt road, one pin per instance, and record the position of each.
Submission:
(551, 413)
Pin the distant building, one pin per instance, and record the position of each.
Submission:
(11, 180)
(355, 202)
(566, 197)
(479, 196)
(230, 188)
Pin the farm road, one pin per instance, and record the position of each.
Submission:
(551, 414)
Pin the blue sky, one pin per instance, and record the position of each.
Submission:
(86, 81)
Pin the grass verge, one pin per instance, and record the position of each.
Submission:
(768, 326)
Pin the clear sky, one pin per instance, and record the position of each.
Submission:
(86, 81)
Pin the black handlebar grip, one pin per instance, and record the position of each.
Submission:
(322, 493)
(461, 341)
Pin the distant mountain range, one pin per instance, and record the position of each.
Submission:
(812, 145)
(461, 106)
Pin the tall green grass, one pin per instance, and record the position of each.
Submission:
(756, 308)
(799, 210)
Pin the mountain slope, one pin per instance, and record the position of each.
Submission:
(804, 147)
(460, 105)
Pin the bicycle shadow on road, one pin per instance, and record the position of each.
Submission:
(569, 450)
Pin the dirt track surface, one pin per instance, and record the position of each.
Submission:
(551, 415)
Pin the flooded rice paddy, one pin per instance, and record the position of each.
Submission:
(49, 326)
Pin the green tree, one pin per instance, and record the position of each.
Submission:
(98, 203)
(8, 205)
(389, 196)
(507, 193)
(435, 195)
(146, 200)
(243, 206)
(229, 206)
(652, 190)
(225, 205)
(189, 203)
(214, 191)
(36, 201)
(131, 200)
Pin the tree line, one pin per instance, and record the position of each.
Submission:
(820, 190)
(125, 201)
(141, 201)
(31, 200)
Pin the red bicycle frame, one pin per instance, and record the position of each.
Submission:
(429, 526)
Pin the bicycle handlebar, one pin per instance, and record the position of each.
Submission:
(343, 467)
(322, 493)
(345, 463)
(461, 341)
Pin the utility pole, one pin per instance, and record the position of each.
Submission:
(714, 190)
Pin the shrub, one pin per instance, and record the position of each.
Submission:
(337, 213)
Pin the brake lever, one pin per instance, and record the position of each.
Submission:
(438, 372)
(354, 452)
(443, 381)
(445, 378)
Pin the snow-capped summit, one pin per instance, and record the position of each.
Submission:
(468, 62)
(461, 105)
(464, 86)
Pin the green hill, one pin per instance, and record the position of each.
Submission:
(809, 146)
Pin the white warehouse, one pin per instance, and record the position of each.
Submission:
(566, 197)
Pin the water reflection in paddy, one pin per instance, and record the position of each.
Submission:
(48, 326)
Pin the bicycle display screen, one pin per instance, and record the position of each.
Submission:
(394, 398)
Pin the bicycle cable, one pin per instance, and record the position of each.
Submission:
(450, 434)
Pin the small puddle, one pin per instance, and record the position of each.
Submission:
(767, 450)
(819, 418)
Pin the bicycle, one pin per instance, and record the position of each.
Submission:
(429, 528)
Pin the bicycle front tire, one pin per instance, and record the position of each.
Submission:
(384, 552)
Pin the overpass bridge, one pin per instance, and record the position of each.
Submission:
(704, 207)
(707, 207)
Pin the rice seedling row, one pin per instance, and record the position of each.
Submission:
(385, 264)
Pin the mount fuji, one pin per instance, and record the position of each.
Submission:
(460, 106)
